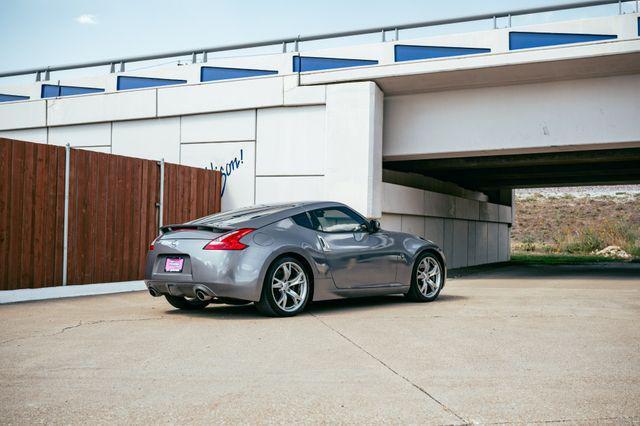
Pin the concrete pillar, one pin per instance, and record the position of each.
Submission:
(354, 146)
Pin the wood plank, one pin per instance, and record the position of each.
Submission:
(193, 195)
(39, 259)
(116, 228)
(134, 235)
(101, 168)
(77, 253)
(50, 230)
(143, 217)
(92, 217)
(59, 213)
(217, 193)
(202, 195)
(110, 218)
(26, 248)
(5, 211)
(73, 215)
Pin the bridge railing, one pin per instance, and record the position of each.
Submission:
(119, 64)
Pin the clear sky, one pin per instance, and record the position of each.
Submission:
(50, 32)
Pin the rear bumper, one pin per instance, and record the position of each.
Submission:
(232, 274)
(187, 289)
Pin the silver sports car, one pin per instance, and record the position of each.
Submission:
(283, 256)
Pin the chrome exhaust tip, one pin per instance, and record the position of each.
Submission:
(154, 292)
(203, 294)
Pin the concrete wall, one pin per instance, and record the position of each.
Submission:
(277, 142)
(471, 232)
(517, 118)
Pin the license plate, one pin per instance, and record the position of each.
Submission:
(173, 265)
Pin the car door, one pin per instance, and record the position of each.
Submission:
(356, 257)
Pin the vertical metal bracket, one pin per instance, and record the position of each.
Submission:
(194, 58)
(112, 68)
(47, 75)
(204, 56)
(121, 66)
(296, 43)
(495, 23)
(383, 36)
(65, 226)
(397, 34)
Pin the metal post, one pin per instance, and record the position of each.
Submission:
(495, 23)
(637, 6)
(383, 36)
(161, 198)
(619, 7)
(284, 47)
(509, 21)
(295, 45)
(193, 58)
(38, 76)
(397, 35)
(65, 229)
(112, 68)
(121, 66)
(204, 56)
(46, 75)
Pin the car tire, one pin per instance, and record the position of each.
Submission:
(286, 288)
(186, 304)
(427, 278)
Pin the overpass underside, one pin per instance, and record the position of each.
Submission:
(607, 166)
(452, 157)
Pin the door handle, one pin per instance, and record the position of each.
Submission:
(324, 244)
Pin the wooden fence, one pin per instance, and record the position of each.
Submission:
(113, 212)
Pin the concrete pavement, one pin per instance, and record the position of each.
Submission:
(506, 344)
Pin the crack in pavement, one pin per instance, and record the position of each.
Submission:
(385, 365)
(79, 324)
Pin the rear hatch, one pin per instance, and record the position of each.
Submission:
(177, 244)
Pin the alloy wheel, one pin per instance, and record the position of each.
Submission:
(429, 276)
(289, 286)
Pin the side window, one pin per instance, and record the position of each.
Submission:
(338, 219)
(304, 220)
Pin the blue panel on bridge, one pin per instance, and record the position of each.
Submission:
(54, 90)
(310, 63)
(9, 98)
(526, 40)
(128, 82)
(405, 52)
(219, 73)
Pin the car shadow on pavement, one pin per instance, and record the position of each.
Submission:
(249, 312)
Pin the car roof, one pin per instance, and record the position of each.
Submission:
(260, 215)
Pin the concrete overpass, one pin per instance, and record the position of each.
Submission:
(430, 134)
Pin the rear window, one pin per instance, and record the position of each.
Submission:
(303, 220)
(240, 215)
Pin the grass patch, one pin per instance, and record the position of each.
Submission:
(558, 259)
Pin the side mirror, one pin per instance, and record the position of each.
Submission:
(374, 226)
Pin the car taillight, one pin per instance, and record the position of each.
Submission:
(230, 241)
(152, 245)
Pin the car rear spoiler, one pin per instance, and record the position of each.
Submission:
(192, 226)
